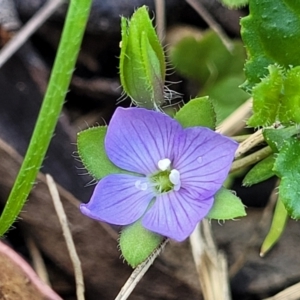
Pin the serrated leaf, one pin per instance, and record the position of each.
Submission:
(271, 35)
(197, 112)
(266, 98)
(226, 206)
(235, 3)
(289, 110)
(287, 167)
(260, 172)
(277, 137)
(137, 243)
(90, 144)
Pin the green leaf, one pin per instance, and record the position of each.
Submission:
(289, 111)
(277, 137)
(271, 35)
(266, 96)
(287, 167)
(54, 98)
(155, 74)
(277, 97)
(137, 243)
(207, 60)
(234, 3)
(142, 61)
(226, 96)
(226, 206)
(260, 172)
(217, 71)
(197, 112)
(277, 227)
(90, 144)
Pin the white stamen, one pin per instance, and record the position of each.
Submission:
(199, 159)
(177, 187)
(141, 185)
(174, 177)
(164, 164)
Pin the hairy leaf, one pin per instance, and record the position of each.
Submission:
(197, 112)
(142, 61)
(287, 167)
(90, 144)
(226, 206)
(277, 137)
(137, 243)
(271, 35)
(289, 110)
(266, 98)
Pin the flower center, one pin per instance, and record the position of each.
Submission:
(166, 179)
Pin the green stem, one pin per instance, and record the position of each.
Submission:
(64, 64)
(250, 159)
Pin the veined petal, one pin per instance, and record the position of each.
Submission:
(137, 139)
(119, 199)
(176, 214)
(203, 158)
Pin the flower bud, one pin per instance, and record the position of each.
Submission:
(142, 61)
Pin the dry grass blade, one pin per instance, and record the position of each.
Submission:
(37, 260)
(68, 237)
(138, 273)
(290, 293)
(205, 15)
(249, 143)
(160, 19)
(28, 29)
(210, 263)
(236, 121)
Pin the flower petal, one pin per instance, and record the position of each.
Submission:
(118, 199)
(176, 214)
(137, 139)
(203, 158)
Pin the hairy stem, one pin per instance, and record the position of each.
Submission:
(66, 57)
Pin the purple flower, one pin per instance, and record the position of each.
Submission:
(178, 171)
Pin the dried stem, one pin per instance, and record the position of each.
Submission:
(236, 121)
(290, 293)
(206, 16)
(28, 29)
(241, 138)
(68, 237)
(37, 260)
(138, 273)
(160, 19)
(210, 263)
(249, 143)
